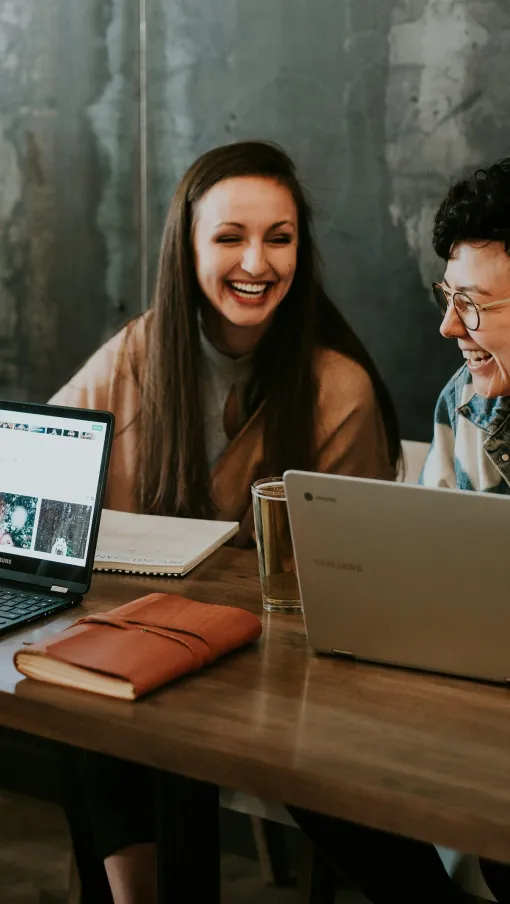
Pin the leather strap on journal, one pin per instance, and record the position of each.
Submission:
(169, 632)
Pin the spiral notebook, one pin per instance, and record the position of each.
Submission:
(157, 545)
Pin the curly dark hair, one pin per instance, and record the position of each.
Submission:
(475, 209)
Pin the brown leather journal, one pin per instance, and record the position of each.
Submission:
(138, 647)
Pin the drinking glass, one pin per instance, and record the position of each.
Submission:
(280, 589)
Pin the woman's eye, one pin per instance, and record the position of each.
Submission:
(228, 239)
(283, 239)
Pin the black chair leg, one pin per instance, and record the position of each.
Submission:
(322, 884)
(317, 883)
(272, 852)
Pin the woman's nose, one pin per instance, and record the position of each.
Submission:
(452, 326)
(254, 259)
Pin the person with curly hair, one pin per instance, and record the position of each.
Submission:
(470, 451)
(471, 447)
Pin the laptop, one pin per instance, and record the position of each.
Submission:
(402, 575)
(53, 467)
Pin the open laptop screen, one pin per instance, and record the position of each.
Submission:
(52, 471)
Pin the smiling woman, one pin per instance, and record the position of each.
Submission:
(242, 369)
(245, 265)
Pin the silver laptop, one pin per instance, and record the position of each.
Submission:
(403, 575)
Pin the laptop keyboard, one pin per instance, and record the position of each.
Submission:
(19, 606)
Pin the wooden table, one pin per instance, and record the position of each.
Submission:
(420, 755)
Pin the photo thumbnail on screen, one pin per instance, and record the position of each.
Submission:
(17, 518)
(63, 528)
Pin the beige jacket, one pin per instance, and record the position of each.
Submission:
(351, 436)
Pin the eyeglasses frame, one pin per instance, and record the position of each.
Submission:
(478, 307)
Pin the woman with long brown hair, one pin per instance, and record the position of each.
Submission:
(242, 368)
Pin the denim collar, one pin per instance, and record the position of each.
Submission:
(490, 415)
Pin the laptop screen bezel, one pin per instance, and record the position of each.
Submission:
(44, 573)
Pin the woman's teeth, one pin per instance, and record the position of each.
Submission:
(475, 355)
(254, 290)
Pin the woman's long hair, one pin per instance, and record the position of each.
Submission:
(172, 463)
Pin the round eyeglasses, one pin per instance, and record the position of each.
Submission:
(468, 311)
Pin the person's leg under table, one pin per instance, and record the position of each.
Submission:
(188, 839)
(155, 834)
(497, 879)
(95, 888)
(384, 867)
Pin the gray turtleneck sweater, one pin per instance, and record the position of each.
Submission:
(219, 374)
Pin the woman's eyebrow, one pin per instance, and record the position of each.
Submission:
(282, 223)
(242, 226)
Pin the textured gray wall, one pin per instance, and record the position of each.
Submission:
(378, 101)
(68, 193)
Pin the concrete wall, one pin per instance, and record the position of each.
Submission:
(379, 102)
(68, 185)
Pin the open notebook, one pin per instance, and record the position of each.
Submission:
(153, 544)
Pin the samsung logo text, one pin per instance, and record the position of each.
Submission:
(342, 566)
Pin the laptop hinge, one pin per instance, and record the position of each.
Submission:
(56, 589)
(345, 654)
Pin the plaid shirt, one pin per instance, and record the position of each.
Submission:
(471, 445)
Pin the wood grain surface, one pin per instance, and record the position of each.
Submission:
(421, 755)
